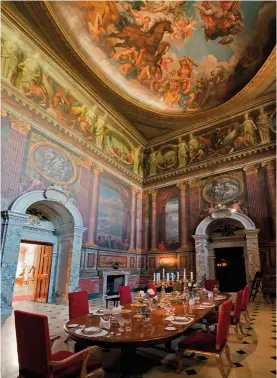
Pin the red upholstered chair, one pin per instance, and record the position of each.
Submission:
(245, 301)
(150, 285)
(34, 351)
(210, 284)
(209, 343)
(125, 295)
(78, 304)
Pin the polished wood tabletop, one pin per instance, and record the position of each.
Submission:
(150, 330)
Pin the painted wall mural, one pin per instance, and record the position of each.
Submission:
(24, 67)
(221, 190)
(252, 130)
(172, 56)
(113, 214)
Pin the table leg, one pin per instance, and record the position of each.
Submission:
(107, 303)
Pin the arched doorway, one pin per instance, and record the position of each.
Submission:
(246, 238)
(63, 229)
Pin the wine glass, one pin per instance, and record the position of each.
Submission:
(121, 323)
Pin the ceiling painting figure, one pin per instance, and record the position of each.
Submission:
(171, 56)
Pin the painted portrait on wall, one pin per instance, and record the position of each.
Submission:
(222, 190)
(171, 56)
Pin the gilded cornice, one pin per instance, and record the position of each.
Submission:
(269, 165)
(182, 185)
(153, 193)
(124, 125)
(85, 163)
(194, 183)
(252, 169)
(20, 125)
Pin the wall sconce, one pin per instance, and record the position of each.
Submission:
(222, 263)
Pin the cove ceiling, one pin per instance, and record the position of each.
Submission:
(172, 57)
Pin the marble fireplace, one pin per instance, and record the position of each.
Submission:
(111, 281)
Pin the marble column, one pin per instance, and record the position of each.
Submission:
(201, 251)
(14, 157)
(92, 227)
(271, 187)
(162, 225)
(141, 222)
(211, 273)
(257, 208)
(83, 195)
(183, 211)
(12, 225)
(194, 205)
(133, 220)
(154, 193)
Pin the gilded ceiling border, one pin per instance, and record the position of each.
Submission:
(260, 81)
(15, 22)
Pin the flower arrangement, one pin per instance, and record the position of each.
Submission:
(152, 296)
(140, 296)
(115, 264)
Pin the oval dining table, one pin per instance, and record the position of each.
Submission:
(145, 332)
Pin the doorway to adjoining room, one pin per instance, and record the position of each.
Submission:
(33, 272)
(230, 269)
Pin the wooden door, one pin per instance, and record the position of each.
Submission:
(44, 259)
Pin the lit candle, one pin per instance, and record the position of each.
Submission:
(163, 273)
(158, 276)
(184, 274)
(177, 275)
(167, 276)
(154, 279)
(191, 276)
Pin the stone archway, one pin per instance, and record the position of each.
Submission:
(204, 258)
(66, 238)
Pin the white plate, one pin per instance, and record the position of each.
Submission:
(90, 330)
(170, 329)
(101, 333)
(72, 325)
(207, 305)
(189, 320)
(219, 297)
(125, 311)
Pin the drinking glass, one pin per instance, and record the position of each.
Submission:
(121, 323)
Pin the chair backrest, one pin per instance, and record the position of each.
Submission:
(78, 304)
(150, 285)
(223, 323)
(245, 301)
(209, 284)
(125, 295)
(33, 343)
(238, 305)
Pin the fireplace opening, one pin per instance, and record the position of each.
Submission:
(230, 269)
(113, 283)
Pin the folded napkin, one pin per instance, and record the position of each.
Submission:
(105, 324)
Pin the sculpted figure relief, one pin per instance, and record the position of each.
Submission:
(91, 118)
(99, 130)
(264, 124)
(9, 59)
(152, 162)
(137, 160)
(193, 146)
(249, 130)
(182, 153)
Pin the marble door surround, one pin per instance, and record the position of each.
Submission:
(107, 273)
(204, 251)
(63, 229)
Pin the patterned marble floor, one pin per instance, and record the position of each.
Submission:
(254, 356)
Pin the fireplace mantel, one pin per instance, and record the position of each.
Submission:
(114, 272)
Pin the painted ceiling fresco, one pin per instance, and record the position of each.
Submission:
(171, 56)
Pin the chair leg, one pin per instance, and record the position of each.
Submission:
(228, 355)
(179, 361)
(220, 366)
(248, 316)
(241, 328)
(237, 332)
(67, 340)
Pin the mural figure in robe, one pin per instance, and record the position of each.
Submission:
(9, 59)
(99, 130)
(193, 147)
(249, 130)
(182, 153)
(30, 70)
(264, 125)
(152, 162)
(137, 160)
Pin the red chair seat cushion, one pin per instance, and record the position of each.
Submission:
(202, 341)
(72, 370)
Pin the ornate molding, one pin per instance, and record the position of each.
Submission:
(134, 191)
(4, 112)
(194, 183)
(85, 163)
(96, 169)
(20, 125)
(153, 193)
(182, 185)
(252, 169)
(56, 193)
(142, 195)
(269, 165)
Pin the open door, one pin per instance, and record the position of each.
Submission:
(44, 260)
